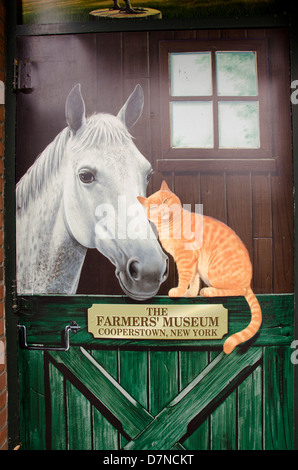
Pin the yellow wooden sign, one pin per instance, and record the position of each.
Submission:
(167, 322)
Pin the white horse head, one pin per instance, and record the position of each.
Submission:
(89, 179)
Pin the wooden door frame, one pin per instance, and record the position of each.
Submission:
(14, 30)
(294, 74)
(9, 228)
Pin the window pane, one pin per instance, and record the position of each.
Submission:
(238, 124)
(192, 124)
(236, 74)
(191, 74)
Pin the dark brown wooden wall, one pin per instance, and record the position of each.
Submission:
(257, 205)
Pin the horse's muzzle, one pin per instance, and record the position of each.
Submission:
(140, 280)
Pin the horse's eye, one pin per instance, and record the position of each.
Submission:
(86, 176)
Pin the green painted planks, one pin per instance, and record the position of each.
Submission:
(278, 399)
(45, 318)
(105, 435)
(163, 373)
(78, 412)
(133, 377)
(69, 407)
(59, 440)
(234, 424)
(192, 363)
(242, 401)
(223, 425)
(223, 422)
(32, 400)
(215, 382)
(129, 413)
(249, 412)
(175, 393)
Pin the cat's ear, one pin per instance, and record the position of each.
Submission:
(142, 200)
(164, 186)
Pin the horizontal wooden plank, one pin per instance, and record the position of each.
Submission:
(216, 165)
(46, 316)
(217, 380)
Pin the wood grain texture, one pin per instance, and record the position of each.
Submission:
(261, 203)
(192, 363)
(262, 265)
(115, 63)
(32, 400)
(249, 412)
(56, 392)
(145, 394)
(213, 190)
(223, 422)
(105, 435)
(278, 399)
(282, 182)
(126, 410)
(151, 394)
(163, 379)
(239, 207)
(171, 424)
(46, 317)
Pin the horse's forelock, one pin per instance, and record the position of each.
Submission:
(100, 130)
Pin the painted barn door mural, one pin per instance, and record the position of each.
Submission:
(208, 112)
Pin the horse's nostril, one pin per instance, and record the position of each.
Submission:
(133, 269)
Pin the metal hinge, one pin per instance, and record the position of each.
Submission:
(14, 297)
(21, 77)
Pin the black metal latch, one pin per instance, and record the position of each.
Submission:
(73, 327)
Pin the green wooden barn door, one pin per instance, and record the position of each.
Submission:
(136, 395)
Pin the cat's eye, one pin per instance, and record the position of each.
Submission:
(86, 176)
(165, 200)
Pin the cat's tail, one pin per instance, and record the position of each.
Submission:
(251, 329)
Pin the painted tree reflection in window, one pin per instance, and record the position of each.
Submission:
(205, 108)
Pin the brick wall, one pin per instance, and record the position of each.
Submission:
(3, 378)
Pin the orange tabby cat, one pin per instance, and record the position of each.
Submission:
(217, 256)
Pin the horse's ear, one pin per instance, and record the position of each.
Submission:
(132, 109)
(164, 186)
(75, 109)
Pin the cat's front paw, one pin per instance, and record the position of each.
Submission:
(176, 292)
(208, 292)
(190, 293)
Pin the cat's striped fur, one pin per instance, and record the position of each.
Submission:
(217, 257)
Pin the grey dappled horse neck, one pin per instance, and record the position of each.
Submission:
(91, 165)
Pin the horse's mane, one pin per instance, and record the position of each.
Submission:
(100, 129)
(46, 164)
